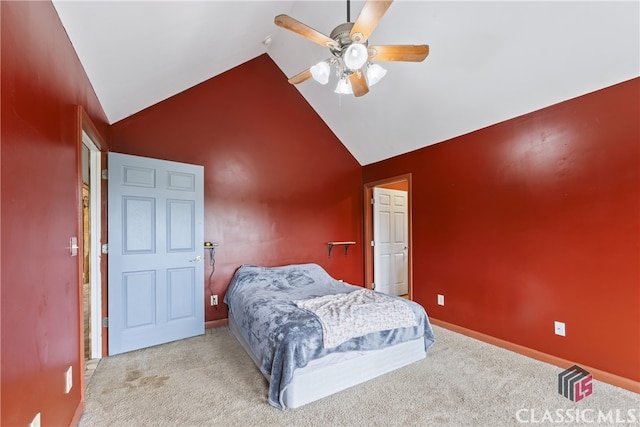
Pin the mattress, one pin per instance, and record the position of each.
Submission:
(284, 338)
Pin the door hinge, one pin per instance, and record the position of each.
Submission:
(373, 243)
(373, 201)
(105, 322)
(105, 173)
(105, 248)
(373, 286)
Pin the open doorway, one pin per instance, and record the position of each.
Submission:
(91, 231)
(91, 264)
(387, 219)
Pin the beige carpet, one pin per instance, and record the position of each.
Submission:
(211, 381)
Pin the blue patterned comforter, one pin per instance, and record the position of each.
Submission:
(284, 337)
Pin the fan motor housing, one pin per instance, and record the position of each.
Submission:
(342, 35)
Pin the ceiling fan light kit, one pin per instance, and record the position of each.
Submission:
(344, 87)
(375, 73)
(320, 72)
(355, 56)
(352, 56)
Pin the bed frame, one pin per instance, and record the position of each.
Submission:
(339, 371)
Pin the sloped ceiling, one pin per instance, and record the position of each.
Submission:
(488, 61)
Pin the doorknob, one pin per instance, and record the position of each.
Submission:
(196, 259)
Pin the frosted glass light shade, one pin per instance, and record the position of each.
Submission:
(375, 73)
(344, 87)
(320, 72)
(355, 56)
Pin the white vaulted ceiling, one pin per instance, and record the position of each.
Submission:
(488, 61)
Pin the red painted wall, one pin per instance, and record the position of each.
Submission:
(534, 220)
(278, 184)
(525, 222)
(42, 83)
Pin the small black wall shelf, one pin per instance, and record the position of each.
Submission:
(346, 245)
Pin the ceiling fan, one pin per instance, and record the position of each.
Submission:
(352, 54)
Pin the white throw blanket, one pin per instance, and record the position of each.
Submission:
(346, 316)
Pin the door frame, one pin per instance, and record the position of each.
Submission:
(85, 126)
(368, 229)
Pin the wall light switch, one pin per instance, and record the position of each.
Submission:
(440, 299)
(36, 421)
(559, 328)
(68, 379)
(73, 246)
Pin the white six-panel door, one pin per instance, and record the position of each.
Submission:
(156, 273)
(390, 235)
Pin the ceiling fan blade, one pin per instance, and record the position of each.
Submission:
(370, 15)
(358, 83)
(298, 27)
(301, 77)
(409, 53)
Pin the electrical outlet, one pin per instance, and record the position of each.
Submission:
(68, 380)
(36, 421)
(214, 300)
(559, 328)
(440, 299)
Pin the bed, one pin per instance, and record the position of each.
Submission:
(279, 316)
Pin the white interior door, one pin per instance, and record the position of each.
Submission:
(390, 248)
(156, 273)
